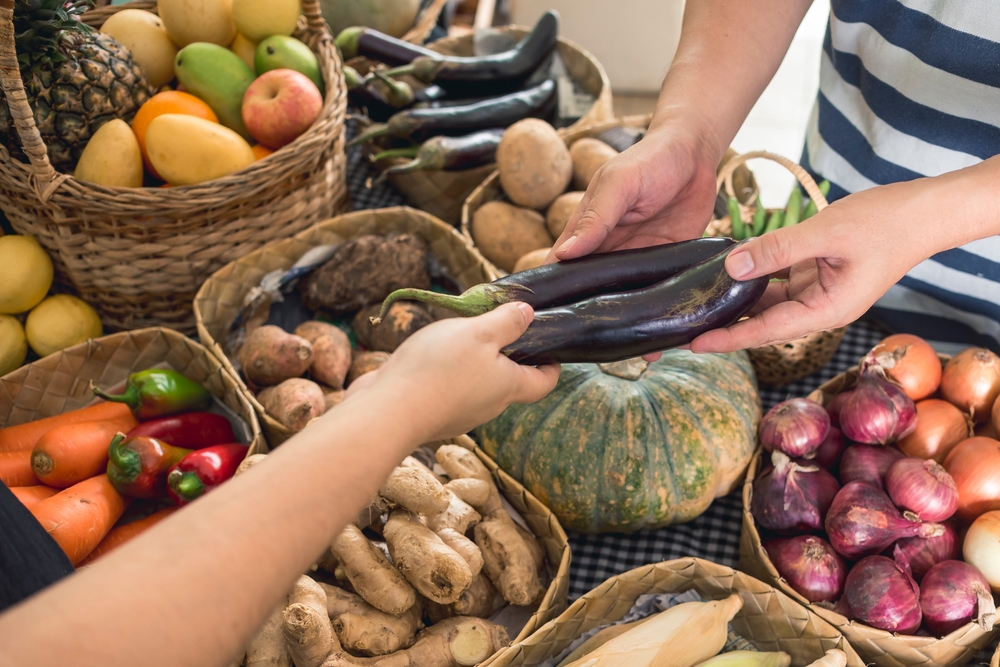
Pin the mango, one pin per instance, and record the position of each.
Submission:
(143, 34)
(186, 150)
(190, 21)
(244, 48)
(218, 77)
(282, 52)
(112, 157)
(257, 19)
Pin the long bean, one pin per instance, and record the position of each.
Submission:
(794, 208)
(759, 219)
(774, 222)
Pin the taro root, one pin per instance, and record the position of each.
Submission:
(402, 320)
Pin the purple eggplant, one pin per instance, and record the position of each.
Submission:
(447, 153)
(361, 41)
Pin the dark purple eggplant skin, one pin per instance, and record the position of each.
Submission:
(472, 150)
(379, 46)
(615, 327)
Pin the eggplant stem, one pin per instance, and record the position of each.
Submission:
(409, 151)
(373, 132)
(412, 165)
(402, 70)
(474, 301)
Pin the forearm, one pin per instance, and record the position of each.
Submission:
(265, 528)
(728, 53)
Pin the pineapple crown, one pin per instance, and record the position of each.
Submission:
(41, 28)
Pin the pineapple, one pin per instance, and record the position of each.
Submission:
(76, 79)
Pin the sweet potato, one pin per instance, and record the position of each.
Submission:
(535, 165)
(332, 399)
(271, 355)
(588, 155)
(294, 403)
(531, 260)
(331, 352)
(505, 233)
(365, 362)
(561, 210)
(402, 321)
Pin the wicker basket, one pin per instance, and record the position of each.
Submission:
(877, 647)
(441, 193)
(61, 381)
(138, 255)
(222, 296)
(768, 619)
(781, 363)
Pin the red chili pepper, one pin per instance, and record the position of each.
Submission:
(137, 467)
(193, 430)
(201, 471)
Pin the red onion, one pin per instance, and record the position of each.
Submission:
(954, 593)
(792, 497)
(923, 487)
(880, 592)
(877, 411)
(810, 565)
(795, 427)
(922, 553)
(863, 521)
(827, 456)
(867, 463)
(833, 407)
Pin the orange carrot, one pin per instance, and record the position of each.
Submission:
(24, 436)
(122, 534)
(15, 469)
(73, 452)
(79, 517)
(32, 495)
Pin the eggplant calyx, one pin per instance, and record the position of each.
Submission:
(423, 69)
(347, 41)
(375, 131)
(474, 301)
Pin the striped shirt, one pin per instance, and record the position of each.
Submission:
(911, 88)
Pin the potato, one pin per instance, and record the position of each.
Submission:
(365, 362)
(402, 321)
(331, 352)
(535, 165)
(531, 260)
(561, 210)
(589, 155)
(505, 233)
(365, 270)
(270, 355)
(294, 403)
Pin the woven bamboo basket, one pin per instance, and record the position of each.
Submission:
(781, 363)
(61, 382)
(138, 255)
(441, 193)
(222, 296)
(426, 21)
(877, 647)
(769, 619)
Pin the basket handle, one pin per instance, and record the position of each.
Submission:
(425, 23)
(725, 177)
(316, 27)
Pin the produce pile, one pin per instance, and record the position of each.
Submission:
(864, 503)
(457, 558)
(79, 471)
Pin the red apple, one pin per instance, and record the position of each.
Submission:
(279, 106)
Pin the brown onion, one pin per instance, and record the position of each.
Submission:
(827, 456)
(994, 418)
(810, 566)
(922, 487)
(792, 497)
(881, 593)
(974, 464)
(940, 426)
(910, 362)
(877, 411)
(982, 547)
(923, 553)
(795, 427)
(868, 463)
(954, 593)
(971, 382)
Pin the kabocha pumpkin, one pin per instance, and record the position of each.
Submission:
(628, 446)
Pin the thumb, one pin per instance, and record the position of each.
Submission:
(774, 251)
(505, 324)
(535, 383)
(597, 215)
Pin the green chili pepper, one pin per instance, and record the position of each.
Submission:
(739, 229)
(794, 208)
(157, 392)
(774, 222)
(759, 219)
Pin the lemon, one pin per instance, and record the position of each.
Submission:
(257, 19)
(25, 273)
(59, 322)
(13, 346)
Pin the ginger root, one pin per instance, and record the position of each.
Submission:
(361, 628)
(308, 634)
(460, 463)
(460, 516)
(267, 646)
(473, 491)
(371, 574)
(481, 599)
(414, 487)
(435, 569)
(464, 547)
(508, 559)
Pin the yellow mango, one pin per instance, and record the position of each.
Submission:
(186, 150)
(112, 157)
(189, 21)
(143, 34)
(258, 19)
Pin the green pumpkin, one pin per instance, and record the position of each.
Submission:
(628, 446)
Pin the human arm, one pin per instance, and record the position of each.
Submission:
(192, 590)
(663, 188)
(841, 260)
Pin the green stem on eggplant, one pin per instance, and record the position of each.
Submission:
(759, 218)
(408, 152)
(793, 209)
(774, 222)
(397, 94)
(375, 131)
(474, 301)
(351, 77)
(739, 229)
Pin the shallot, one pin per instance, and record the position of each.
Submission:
(810, 566)
(954, 593)
(833, 407)
(827, 456)
(881, 593)
(923, 553)
(877, 411)
(867, 463)
(982, 547)
(795, 427)
(910, 362)
(792, 497)
(862, 521)
(922, 487)
(971, 382)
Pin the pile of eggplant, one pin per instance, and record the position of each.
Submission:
(613, 306)
(447, 112)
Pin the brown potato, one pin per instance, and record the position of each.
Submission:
(561, 210)
(365, 362)
(331, 352)
(402, 321)
(505, 233)
(589, 155)
(294, 403)
(271, 355)
(535, 165)
(531, 260)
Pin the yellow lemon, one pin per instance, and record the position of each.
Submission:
(59, 322)
(257, 19)
(25, 273)
(13, 346)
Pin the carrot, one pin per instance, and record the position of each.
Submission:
(73, 452)
(79, 517)
(15, 469)
(32, 495)
(24, 436)
(122, 534)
